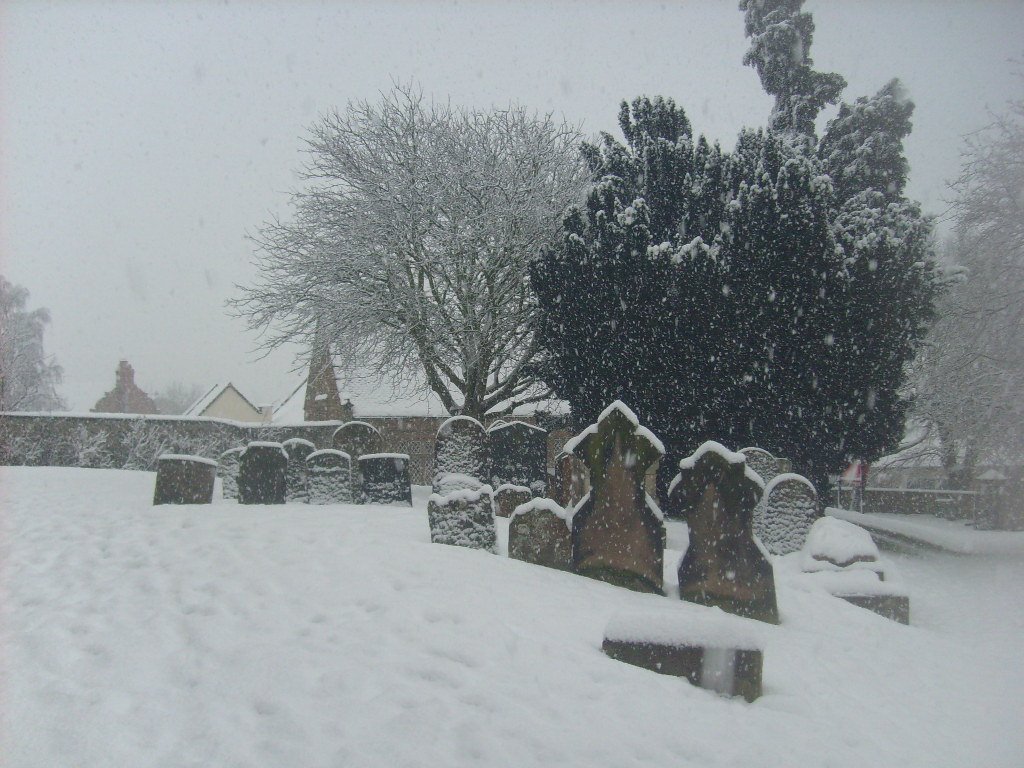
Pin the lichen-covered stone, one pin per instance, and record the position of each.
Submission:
(463, 519)
(508, 497)
(385, 478)
(538, 534)
(227, 471)
(763, 463)
(329, 477)
(460, 449)
(785, 514)
(298, 450)
(518, 455)
(184, 480)
(357, 438)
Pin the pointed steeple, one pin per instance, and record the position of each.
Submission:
(323, 402)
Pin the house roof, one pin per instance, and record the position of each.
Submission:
(204, 402)
(371, 396)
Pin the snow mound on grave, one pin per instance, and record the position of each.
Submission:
(452, 482)
(696, 626)
(838, 542)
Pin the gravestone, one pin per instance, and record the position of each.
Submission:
(719, 653)
(298, 450)
(518, 455)
(618, 534)
(184, 479)
(357, 438)
(715, 493)
(762, 462)
(538, 533)
(460, 451)
(785, 514)
(385, 478)
(463, 519)
(227, 471)
(329, 477)
(261, 474)
(508, 497)
(570, 484)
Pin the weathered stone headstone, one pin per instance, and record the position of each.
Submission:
(715, 493)
(785, 514)
(538, 533)
(508, 497)
(460, 455)
(721, 654)
(298, 450)
(329, 477)
(227, 471)
(762, 462)
(618, 534)
(571, 481)
(463, 519)
(261, 474)
(386, 478)
(518, 455)
(357, 438)
(184, 479)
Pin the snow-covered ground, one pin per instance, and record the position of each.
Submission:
(952, 535)
(306, 636)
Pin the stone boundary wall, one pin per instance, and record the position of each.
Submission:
(952, 505)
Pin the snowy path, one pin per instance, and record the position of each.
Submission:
(338, 636)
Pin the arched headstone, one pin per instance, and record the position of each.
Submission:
(261, 474)
(184, 479)
(538, 533)
(571, 482)
(227, 471)
(385, 478)
(357, 438)
(295, 481)
(508, 497)
(762, 462)
(518, 455)
(786, 513)
(329, 477)
(463, 519)
(715, 493)
(461, 450)
(618, 534)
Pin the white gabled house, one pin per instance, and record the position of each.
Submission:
(224, 401)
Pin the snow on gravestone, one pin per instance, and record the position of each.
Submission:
(261, 473)
(538, 533)
(715, 493)
(357, 438)
(298, 450)
(329, 477)
(618, 534)
(508, 497)
(518, 455)
(785, 514)
(463, 519)
(184, 479)
(227, 471)
(385, 478)
(460, 451)
(762, 462)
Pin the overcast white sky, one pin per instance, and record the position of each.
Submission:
(139, 142)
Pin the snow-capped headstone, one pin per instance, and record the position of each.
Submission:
(538, 533)
(508, 497)
(715, 493)
(460, 449)
(329, 477)
(762, 462)
(261, 474)
(570, 484)
(298, 451)
(184, 479)
(463, 519)
(785, 514)
(518, 455)
(357, 438)
(227, 471)
(618, 534)
(385, 478)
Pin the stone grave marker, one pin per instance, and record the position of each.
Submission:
(298, 450)
(518, 455)
(538, 533)
(785, 514)
(618, 534)
(227, 471)
(261, 474)
(460, 455)
(715, 493)
(184, 479)
(762, 462)
(508, 497)
(571, 483)
(463, 519)
(385, 478)
(357, 438)
(329, 477)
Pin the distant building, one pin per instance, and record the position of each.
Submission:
(224, 401)
(125, 397)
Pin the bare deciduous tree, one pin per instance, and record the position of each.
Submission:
(410, 246)
(28, 377)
